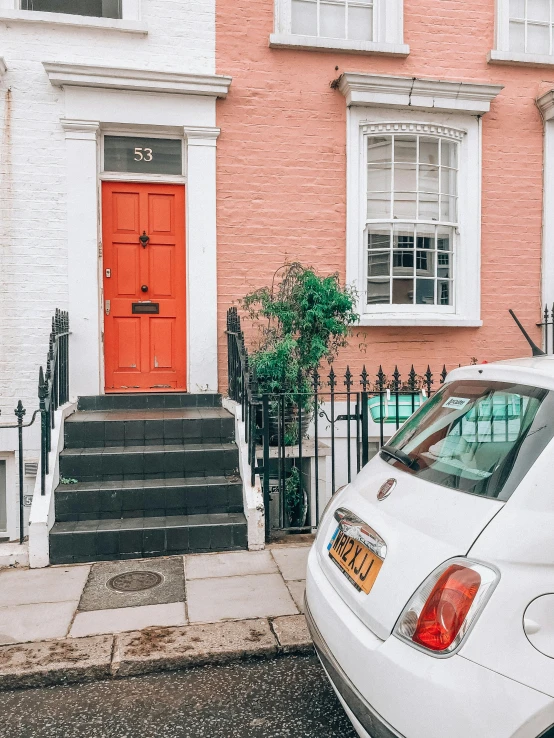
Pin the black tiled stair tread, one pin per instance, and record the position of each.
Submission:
(102, 540)
(149, 400)
(149, 462)
(95, 429)
(148, 498)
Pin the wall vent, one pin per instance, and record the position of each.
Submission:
(31, 468)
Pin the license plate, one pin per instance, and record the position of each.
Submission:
(358, 564)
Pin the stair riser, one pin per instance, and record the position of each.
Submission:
(149, 465)
(151, 502)
(161, 401)
(77, 548)
(100, 434)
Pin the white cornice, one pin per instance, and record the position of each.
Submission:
(3, 67)
(119, 78)
(411, 92)
(429, 129)
(545, 104)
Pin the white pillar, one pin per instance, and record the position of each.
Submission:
(201, 258)
(82, 243)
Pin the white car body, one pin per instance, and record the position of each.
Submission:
(500, 682)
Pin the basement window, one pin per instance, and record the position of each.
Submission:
(91, 8)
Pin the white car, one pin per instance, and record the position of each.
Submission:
(430, 585)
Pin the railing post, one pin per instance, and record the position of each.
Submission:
(316, 442)
(20, 414)
(332, 385)
(265, 421)
(365, 417)
(42, 393)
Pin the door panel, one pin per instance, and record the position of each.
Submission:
(144, 351)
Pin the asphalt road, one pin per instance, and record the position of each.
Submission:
(278, 698)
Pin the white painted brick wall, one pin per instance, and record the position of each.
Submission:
(33, 254)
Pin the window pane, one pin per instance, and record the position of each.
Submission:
(429, 151)
(425, 237)
(304, 18)
(538, 39)
(403, 263)
(403, 237)
(425, 291)
(538, 10)
(449, 154)
(402, 291)
(95, 8)
(517, 8)
(425, 264)
(378, 205)
(449, 181)
(517, 36)
(360, 23)
(444, 293)
(448, 209)
(405, 179)
(332, 20)
(379, 178)
(428, 178)
(444, 267)
(378, 264)
(428, 206)
(378, 291)
(148, 155)
(405, 205)
(379, 149)
(379, 238)
(405, 148)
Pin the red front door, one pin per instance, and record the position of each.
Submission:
(144, 287)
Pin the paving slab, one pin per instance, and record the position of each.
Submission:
(160, 649)
(292, 634)
(29, 586)
(55, 662)
(37, 622)
(97, 595)
(235, 598)
(297, 590)
(292, 561)
(123, 619)
(233, 564)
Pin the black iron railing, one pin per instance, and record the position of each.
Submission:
(547, 325)
(307, 444)
(53, 392)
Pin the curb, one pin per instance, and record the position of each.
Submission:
(74, 660)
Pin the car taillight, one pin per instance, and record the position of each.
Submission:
(441, 612)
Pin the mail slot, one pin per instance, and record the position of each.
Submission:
(146, 308)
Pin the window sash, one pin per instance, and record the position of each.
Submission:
(316, 17)
(86, 8)
(530, 26)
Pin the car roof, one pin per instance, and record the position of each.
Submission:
(534, 371)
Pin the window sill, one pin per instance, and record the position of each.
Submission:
(512, 57)
(314, 43)
(394, 319)
(63, 19)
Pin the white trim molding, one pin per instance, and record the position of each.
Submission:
(139, 80)
(415, 93)
(545, 103)
(388, 105)
(388, 32)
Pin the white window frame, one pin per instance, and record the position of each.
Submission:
(546, 106)
(388, 29)
(502, 54)
(10, 10)
(387, 104)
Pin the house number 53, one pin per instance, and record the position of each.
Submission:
(143, 154)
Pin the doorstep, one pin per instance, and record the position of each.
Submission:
(14, 554)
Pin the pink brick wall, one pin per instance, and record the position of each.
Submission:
(282, 166)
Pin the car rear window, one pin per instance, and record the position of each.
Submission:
(479, 437)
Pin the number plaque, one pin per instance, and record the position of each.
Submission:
(143, 155)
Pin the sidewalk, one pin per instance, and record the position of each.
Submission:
(70, 623)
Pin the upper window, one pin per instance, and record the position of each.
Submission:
(345, 19)
(356, 25)
(531, 26)
(411, 219)
(94, 8)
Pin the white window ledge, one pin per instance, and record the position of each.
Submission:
(65, 19)
(392, 319)
(512, 57)
(317, 43)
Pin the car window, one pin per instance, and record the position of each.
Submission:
(477, 436)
